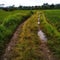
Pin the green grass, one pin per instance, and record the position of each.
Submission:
(52, 34)
(53, 17)
(8, 23)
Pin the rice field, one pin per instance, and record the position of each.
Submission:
(28, 46)
(53, 17)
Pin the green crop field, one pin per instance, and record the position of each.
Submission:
(28, 44)
(8, 23)
(53, 17)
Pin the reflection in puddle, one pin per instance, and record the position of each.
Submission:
(42, 35)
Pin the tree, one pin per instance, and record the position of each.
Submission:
(1, 6)
(45, 6)
(52, 6)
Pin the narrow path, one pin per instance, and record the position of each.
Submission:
(44, 48)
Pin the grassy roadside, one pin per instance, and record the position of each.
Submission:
(53, 36)
(9, 23)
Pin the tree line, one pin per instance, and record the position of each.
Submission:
(44, 6)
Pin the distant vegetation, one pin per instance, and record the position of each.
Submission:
(44, 6)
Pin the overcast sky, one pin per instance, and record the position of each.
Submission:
(27, 2)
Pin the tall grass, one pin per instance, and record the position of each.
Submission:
(9, 22)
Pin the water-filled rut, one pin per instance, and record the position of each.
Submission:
(44, 48)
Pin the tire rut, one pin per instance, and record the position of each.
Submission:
(47, 55)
